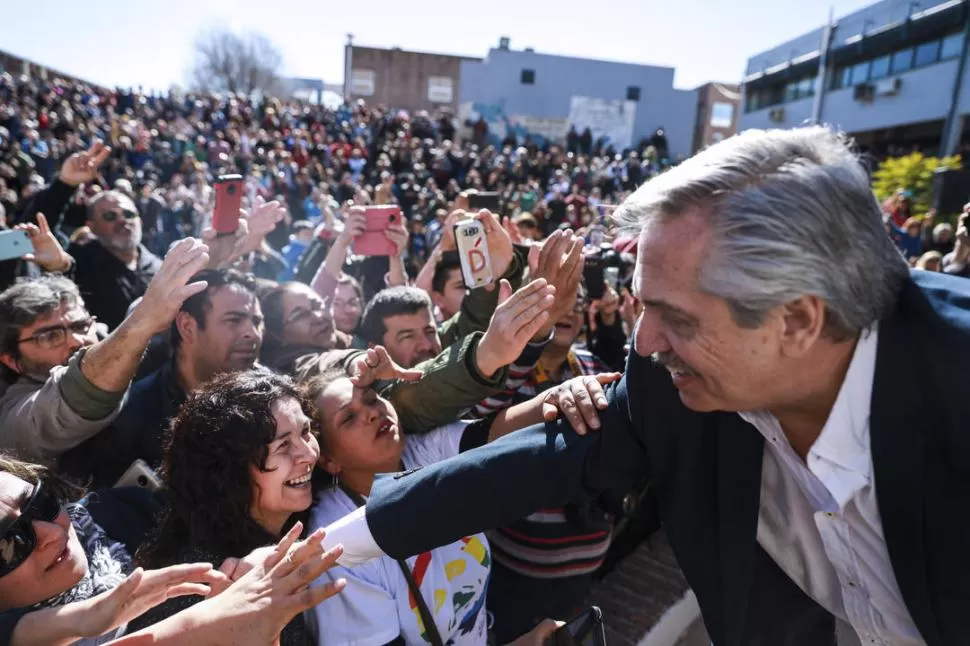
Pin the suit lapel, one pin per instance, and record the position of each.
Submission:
(898, 416)
(740, 449)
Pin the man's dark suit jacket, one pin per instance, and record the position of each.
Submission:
(706, 470)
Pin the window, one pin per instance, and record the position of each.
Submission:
(841, 77)
(440, 89)
(952, 47)
(722, 114)
(753, 101)
(528, 77)
(903, 60)
(926, 54)
(791, 91)
(806, 87)
(362, 82)
(860, 73)
(879, 69)
(633, 93)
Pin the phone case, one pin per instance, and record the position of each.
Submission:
(14, 244)
(373, 242)
(139, 474)
(229, 192)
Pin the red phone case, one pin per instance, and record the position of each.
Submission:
(229, 192)
(373, 242)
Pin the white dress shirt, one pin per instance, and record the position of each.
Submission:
(819, 519)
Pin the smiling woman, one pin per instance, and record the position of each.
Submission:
(239, 461)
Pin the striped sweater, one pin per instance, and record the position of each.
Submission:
(550, 543)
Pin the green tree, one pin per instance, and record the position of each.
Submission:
(913, 173)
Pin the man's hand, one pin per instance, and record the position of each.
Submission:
(48, 253)
(516, 320)
(80, 168)
(226, 249)
(578, 399)
(260, 223)
(499, 243)
(168, 289)
(513, 230)
(559, 263)
(398, 234)
(354, 225)
(448, 231)
(142, 591)
(376, 365)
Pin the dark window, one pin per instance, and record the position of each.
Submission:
(952, 47)
(791, 91)
(528, 77)
(860, 73)
(903, 60)
(879, 69)
(633, 93)
(807, 87)
(926, 54)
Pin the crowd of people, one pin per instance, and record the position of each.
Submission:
(268, 378)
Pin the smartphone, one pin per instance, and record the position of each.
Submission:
(373, 242)
(612, 277)
(139, 474)
(14, 243)
(488, 200)
(586, 629)
(593, 276)
(476, 264)
(229, 193)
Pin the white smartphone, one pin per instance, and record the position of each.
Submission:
(139, 474)
(14, 244)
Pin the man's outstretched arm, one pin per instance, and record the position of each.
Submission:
(540, 466)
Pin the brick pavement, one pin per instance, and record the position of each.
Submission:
(639, 590)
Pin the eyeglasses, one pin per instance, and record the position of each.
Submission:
(111, 216)
(56, 336)
(17, 536)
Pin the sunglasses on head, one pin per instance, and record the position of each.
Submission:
(17, 536)
(111, 216)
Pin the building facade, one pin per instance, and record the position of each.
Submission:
(543, 95)
(717, 114)
(402, 79)
(894, 75)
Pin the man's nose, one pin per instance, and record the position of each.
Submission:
(648, 334)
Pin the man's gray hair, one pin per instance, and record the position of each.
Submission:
(792, 214)
(104, 195)
(25, 302)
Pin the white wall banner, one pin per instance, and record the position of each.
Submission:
(611, 119)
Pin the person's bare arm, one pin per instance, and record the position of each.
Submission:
(111, 364)
(333, 264)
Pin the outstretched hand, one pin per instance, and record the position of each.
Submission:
(48, 253)
(578, 399)
(376, 365)
(82, 167)
(170, 286)
(515, 322)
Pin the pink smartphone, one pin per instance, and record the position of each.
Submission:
(373, 242)
(229, 192)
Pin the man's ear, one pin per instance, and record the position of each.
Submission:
(9, 361)
(187, 327)
(802, 323)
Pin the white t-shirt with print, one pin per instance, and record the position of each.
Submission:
(375, 607)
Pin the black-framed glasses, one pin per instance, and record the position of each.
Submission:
(111, 216)
(54, 337)
(17, 536)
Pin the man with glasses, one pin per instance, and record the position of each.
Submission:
(114, 269)
(61, 385)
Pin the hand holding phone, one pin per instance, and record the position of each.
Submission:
(15, 244)
(374, 241)
(586, 629)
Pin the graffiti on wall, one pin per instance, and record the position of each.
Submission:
(607, 119)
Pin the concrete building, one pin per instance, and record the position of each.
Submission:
(401, 79)
(543, 94)
(893, 74)
(717, 114)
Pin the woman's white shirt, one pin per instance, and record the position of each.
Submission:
(375, 607)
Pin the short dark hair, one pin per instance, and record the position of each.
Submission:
(28, 300)
(222, 431)
(443, 272)
(199, 304)
(390, 302)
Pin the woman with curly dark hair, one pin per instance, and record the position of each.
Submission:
(238, 462)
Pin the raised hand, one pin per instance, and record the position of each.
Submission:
(559, 263)
(83, 167)
(261, 221)
(515, 322)
(170, 287)
(354, 225)
(398, 234)
(499, 243)
(226, 249)
(513, 230)
(142, 591)
(376, 365)
(48, 253)
(578, 399)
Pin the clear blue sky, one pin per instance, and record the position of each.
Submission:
(146, 42)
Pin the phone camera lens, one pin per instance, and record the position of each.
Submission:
(142, 481)
(392, 218)
(231, 189)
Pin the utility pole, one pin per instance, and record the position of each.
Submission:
(348, 66)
